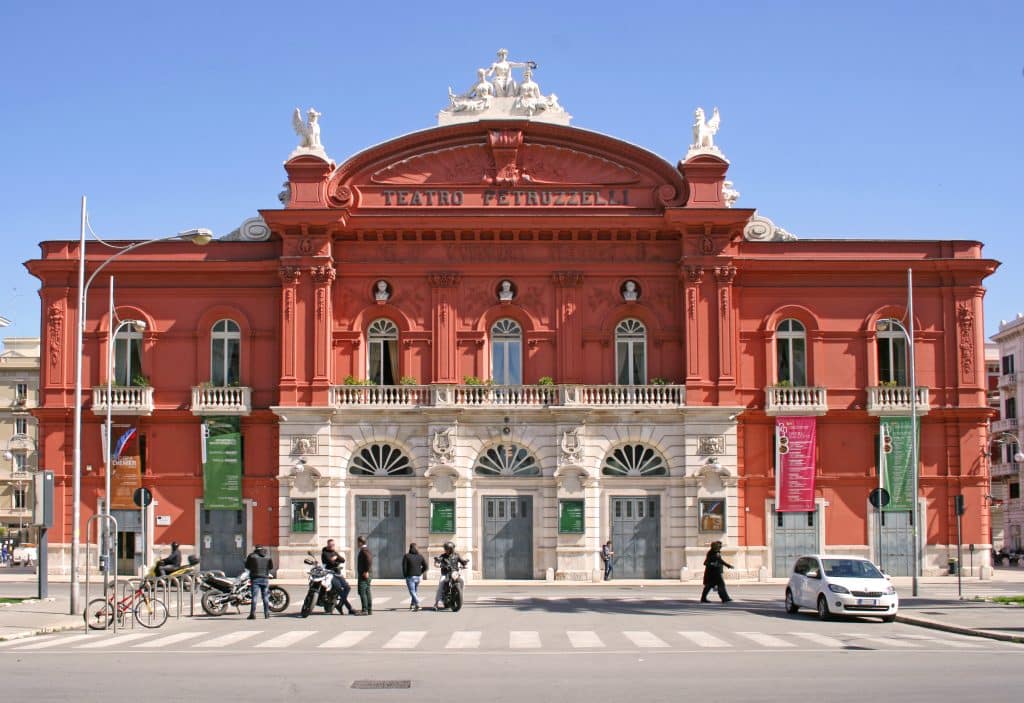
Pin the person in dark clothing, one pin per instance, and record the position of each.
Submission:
(607, 555)
(413, 568)
(447, 561)
(713, 564)
(333, 560)
(171, 562)
(260, 567)
(364, 566)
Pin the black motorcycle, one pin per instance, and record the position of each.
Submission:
(321, 588)
(222, 592)
(451, 596)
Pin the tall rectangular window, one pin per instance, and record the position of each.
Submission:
(19, 498)
(20, 425)
(21, 392)
(1008, 364)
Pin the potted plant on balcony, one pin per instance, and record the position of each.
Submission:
(408, 381)
(140, 380)
(476, 381)
(783, 383)
(659, 381)
(545, 381)
(351, 380)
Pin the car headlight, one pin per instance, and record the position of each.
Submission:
(890, 591)
(835, 588)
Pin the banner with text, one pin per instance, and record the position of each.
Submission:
(795, 448)
(894, 462)
(222, 467)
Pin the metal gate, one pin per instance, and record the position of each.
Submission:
(793, 535)
(636, 537)
(222, 535)
(381, 520)
(508, 537)
(897, 543)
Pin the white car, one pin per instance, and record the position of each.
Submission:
(25, 555)
(840, 585)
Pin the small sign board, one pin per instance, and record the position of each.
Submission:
(303, 515)
(442, 517)
(163, 520)
(42, 499)
(711, 516)
(570, 516)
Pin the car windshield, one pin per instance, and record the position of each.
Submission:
(850, 568)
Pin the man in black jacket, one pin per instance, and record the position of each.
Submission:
(413, 568)
(713, 564)
(260, 567)
(332, 560)
(171, 562)
(364, 565)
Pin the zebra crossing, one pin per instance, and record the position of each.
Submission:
(501, 640)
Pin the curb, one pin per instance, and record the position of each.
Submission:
(957, 629)
(49, 630)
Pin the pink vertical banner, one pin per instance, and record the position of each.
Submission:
(795, 439)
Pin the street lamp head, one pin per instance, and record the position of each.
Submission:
(139, 325)
(199, 237)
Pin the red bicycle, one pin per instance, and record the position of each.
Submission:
(149, 611)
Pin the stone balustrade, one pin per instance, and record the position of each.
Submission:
(124, 400)
(895, 400)
(221, 400)
(795, 400)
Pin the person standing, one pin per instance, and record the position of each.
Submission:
(713, 564)
(413, 568)
(607, 554)
(364, 565)
(260, 567)
(333, 561)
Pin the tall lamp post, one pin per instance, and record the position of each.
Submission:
(199, 237)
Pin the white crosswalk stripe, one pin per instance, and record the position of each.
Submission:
(884, 641)
(947, 642)
(644, 639)
(822, 640)
(25, 640)
(382, 600)
(286, 640)
(464, 640)
(346, 639)
(406, 639)
(523, 639)
(765, 640)
(52, 641)
(584, 639)
(171, 639)
(229, 639)
(114, 640)
(703, 639)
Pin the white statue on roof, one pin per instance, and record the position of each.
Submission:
(476, 98)
(309, 134)
(704, 131)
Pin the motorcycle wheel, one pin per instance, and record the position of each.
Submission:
(307, 604)
(99, 614)
(279, 599)
(456, 600)
(215, 603)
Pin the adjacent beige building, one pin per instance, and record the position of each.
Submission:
(19, 394)
(1007, 508)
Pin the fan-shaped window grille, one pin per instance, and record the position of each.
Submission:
(507, 460)
(380, 460)
(507, 353)
(634, 460)
(631, 353)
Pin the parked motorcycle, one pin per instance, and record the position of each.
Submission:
(321, 589)
(223, 592)
(453, 585)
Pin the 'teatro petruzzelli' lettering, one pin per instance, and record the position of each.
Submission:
(505, 198)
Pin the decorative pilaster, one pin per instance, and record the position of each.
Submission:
(725, 275)
(444, 317)
(290, 276)
(323, 278)
(567, 320)
(694, 276)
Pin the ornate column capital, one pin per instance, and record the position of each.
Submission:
(290, 275)
(323, 274)
(725, 274)
(694, 274)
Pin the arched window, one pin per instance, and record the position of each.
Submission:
(380, 460)
(225, 350)
(791, 351)
(892, 352)
(128, 358)
(634, 460)
(507, 353)
(382, 357)
(507, 460)
(631, 353)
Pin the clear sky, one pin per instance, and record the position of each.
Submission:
(867, 120)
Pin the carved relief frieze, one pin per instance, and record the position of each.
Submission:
(305, 445)
(965, 327)
(55, 333)
(567, 279)
(572, 447)
(504, 145)
(442, 446)
(710, 445)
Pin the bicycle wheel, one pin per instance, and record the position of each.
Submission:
(99, 614)
(151, 612)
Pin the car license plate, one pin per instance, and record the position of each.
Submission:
(866, 601)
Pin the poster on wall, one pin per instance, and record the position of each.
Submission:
(222, 463)
(303, 515)
(442, 516)
(570, 516)
(795, 448)
(711, 515)
(894, 462)
(126, 472)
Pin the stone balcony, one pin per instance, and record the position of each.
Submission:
(221, 400)
(124, 400)
(484, 396)
(795, 400)
(895, 400)
(1004, 469)
(1008, 380)
(1008, 424)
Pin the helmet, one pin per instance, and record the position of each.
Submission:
(449, 546)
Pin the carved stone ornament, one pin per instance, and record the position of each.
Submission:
(704, 131)
(442, 447)
(729, 194)
(572, 448)
(443, 279)
(761, 229)
(323, 274)
(965, 327)
(55, 318)
(290, 274)
(710, 445)
(304, 478)
(711, 472)
(309, 135)
(304, 445)
(253, 229)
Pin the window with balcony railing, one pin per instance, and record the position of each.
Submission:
(791, 353)
(382, 352)
(20, 393)
(225, 353)
(631, 353)
(1008, 366)
(892, 353)
(507, 353)
(19, 498)
(128, 358)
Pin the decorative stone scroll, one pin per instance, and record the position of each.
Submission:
(761, 229)
(253, 229)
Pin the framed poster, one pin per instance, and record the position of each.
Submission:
(442, 517)
(303, 515)
(570, 516)
(711, 517)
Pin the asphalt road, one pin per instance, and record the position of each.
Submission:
(533, 644)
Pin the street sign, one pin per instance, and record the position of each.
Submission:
(879, 498)
(142, 497)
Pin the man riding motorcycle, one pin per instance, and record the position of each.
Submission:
(332, 561)
(172, 562)
(447, 561)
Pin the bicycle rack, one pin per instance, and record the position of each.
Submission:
(108, 586)
(129, 590)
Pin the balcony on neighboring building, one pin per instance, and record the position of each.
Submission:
(895, 400)
(221, 400)
(482, 396)
(795, 400)
(1008, 424)
(1008, 380)
(1004, 469)
(124, 400)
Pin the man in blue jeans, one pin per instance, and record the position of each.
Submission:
(606, 556)
(260, 566)
(413, 568)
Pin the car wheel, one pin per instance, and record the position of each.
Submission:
(791, 606)
(889, 618)
(823, 611)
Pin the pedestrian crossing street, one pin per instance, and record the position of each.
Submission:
(422, 640)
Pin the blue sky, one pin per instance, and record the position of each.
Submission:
(861, 120)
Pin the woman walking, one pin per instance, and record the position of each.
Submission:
(713, 564)
(413, 568)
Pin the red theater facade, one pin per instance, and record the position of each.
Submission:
(570, 340)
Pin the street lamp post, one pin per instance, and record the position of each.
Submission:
(199, 237)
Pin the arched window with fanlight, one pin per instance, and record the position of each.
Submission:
(380, 459)
(892, 352)
(634, 460)
(225, 353)
(631, 353)
(791, 353)
(382, 355)
(507, 460)
(128, 358)
(507, 353)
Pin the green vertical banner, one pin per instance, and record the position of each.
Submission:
(222, 463)
(894, 462)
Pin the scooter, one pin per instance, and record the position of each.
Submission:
(321, 588)
(223, 592)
